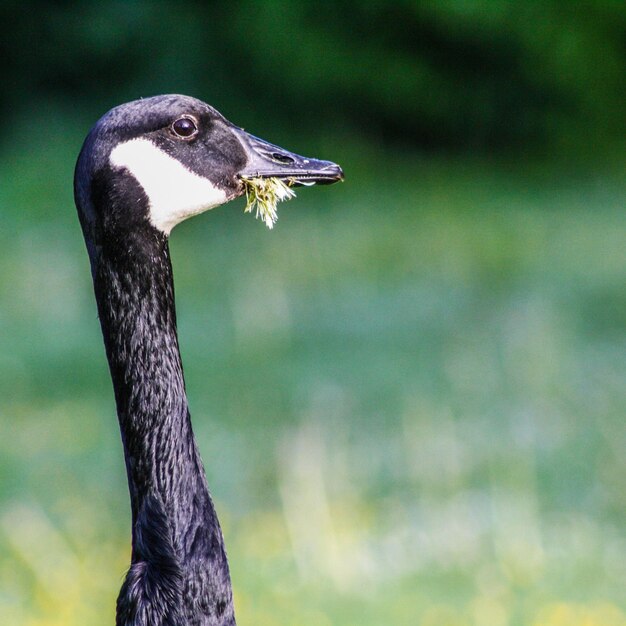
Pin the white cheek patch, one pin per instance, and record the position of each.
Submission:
(174, 192)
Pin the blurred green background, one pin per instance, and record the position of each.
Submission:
(409, 395)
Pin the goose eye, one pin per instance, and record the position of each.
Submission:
(185, 127)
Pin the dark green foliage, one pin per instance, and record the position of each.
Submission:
(454, 75)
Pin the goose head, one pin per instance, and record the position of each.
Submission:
(152, 163)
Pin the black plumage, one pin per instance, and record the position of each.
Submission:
(179, 572)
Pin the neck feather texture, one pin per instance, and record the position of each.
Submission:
(179, 573)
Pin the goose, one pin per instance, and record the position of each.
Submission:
(144, 167)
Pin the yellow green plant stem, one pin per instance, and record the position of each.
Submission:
(263, 194)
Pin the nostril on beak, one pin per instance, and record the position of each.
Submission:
(282, 158)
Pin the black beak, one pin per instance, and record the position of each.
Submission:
(265, 160)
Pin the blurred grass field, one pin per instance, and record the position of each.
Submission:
(409, 396)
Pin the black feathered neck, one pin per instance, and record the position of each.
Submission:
(179, 565)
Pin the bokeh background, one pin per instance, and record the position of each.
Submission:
(409, 395)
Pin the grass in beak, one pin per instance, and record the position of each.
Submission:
(263, 194)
